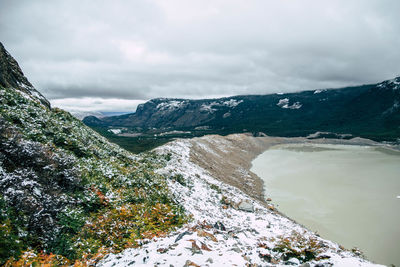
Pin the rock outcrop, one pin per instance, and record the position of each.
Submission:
(11, 76)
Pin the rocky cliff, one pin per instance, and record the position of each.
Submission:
(11, 76)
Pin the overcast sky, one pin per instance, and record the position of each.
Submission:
(88, 55)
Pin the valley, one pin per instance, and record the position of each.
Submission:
(69, 196)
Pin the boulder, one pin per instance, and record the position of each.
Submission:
(246, 205)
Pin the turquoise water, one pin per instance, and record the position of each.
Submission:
(348, 194)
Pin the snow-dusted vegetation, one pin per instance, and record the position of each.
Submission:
(68, 193)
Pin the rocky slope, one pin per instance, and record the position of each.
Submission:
(11, 76)
(65, 191)
(228, 227)
(371, 111)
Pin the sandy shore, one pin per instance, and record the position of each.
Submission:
(228, 158)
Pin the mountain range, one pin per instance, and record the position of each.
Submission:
(370, 111)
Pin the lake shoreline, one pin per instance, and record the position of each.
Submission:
(229, 158)
(227, 226)
(343, 192)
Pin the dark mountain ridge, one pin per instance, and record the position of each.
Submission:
(11, 76)
(371, 111)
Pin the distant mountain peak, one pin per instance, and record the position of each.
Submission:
(11, 76)
(393, 84)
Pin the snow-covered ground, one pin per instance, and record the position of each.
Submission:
(228, 228)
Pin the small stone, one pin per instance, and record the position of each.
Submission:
(293, 261)
(190, 263)
(236, 249)
(204, 247)
(210, 260)
(162, 250)
(181, 235)
(265, 256)
(305, 265)
(195, 248)
(322, 257)
(235, 205)
(269, 199)
(219, 226)
(246, 205)
(203, 233)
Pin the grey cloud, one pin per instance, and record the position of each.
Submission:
(171, 48)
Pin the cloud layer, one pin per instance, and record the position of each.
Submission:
(137, 50)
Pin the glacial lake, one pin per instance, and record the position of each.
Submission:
(348, 194)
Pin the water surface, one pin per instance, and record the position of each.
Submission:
(348, 194)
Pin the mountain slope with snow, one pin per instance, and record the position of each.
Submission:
(370, 111)
(67, 195)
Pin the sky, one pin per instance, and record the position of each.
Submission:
(112, 55)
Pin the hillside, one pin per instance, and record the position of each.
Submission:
(66, 194)
(370, 111)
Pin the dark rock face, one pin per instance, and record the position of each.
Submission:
(371, 111)
(11, 76)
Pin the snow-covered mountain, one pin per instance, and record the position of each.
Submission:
(371, 111)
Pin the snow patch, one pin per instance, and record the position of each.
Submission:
(393, 84)
(231, 103)
(170, 105)
(115, 131)
(284, 103)
(212, 106)
(208, 107)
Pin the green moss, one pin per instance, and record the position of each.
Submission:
(180, 179)
(10, 242)
(216, 188)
